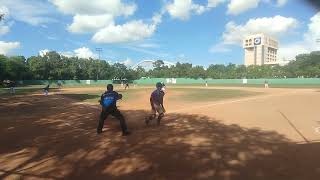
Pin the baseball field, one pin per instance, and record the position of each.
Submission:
(207, 133)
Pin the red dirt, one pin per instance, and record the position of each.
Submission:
(249, 138)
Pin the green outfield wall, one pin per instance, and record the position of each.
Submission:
(288, 81)
(180, 81)
(65, 82)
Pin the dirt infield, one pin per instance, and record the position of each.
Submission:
(273, 135)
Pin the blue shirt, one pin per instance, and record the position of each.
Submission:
(110, 96)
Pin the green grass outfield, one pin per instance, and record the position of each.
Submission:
(202, 95)
(23, 90)
(188, 94)
(94, 97)
(184, 94)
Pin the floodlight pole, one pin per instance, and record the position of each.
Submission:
(99, 51)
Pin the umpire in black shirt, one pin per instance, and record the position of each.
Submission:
(108, 102)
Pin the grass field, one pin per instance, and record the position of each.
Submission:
(184, 94)
(38, 88)
(219, 132)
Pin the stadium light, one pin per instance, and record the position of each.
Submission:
(99, 50)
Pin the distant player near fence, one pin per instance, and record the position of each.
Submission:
(12, 85)
(46, 90)
(266, 84)
(127, 85)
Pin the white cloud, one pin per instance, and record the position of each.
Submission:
(236, 7)
(289, 51)
(127, 62)
(33, 12)
(85, 53)
(220, 47)
(7, 47)
(67, 54)
(98, 17)
(95, 7)
(313, 32)
(281, 2)
(89, 23)
(234, 33)
(130, 31)
(148, 45)
(4, 10)
(215, 3)
(182, 9)
(82, 52)
(4, 29)
(43, 52)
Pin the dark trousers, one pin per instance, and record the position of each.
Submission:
(114, 112)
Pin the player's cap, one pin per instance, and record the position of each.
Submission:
(110, 87)
(159, 85)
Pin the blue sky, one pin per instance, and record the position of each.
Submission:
(201, 32)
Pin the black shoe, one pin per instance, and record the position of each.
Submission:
(99, 131)
(126, 133)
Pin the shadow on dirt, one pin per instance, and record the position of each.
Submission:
(53, 137)
(81, 97)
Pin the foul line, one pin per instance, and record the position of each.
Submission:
(294, 127)
(232, 101)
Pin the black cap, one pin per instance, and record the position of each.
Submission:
(110, 87)
(159, 85)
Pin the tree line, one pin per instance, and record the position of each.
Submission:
(54, 66)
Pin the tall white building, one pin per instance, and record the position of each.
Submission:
(260, 49)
